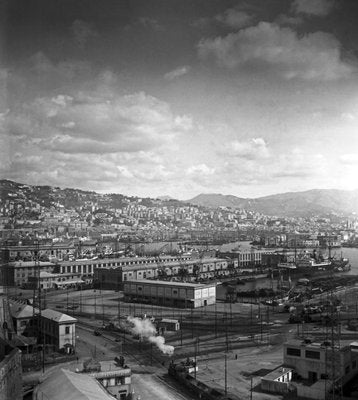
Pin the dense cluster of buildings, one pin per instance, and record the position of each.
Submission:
(26, 212)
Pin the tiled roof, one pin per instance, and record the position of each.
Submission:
(57, 316)
(66, 385)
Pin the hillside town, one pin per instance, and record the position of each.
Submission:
(27, 214)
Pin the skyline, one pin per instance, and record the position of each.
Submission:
(139, 98)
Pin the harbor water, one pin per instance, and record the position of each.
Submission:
(267, 283)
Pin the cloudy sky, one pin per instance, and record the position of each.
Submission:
(180, 97)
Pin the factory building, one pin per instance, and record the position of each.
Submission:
(87, 266)
(320, 364)
(190, 270)
(23, 271)
(50, 281)
(173, 294)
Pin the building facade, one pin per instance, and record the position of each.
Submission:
(173, 294)
(87, 266)
(59, 330)
(50, 281)
(189, 270)
(10, 372)
(23, 271)
(321, 365)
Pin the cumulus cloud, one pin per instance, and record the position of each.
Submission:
(349, 117)
(255, 148)
(87, 124)
(299, 164)
(318, 8)
(313, 56)
(200, 169)
(350, 159)
(82, 32)
(91, 139)
(234, 18)
(177, 72)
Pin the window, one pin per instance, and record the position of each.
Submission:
(67, 330)
(293, 352)
(354, 364)
(347, 370)
(313, 354)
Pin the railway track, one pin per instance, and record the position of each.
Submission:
(143, 353)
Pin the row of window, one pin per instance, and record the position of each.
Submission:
(311, 354)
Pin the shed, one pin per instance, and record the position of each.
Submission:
(169, 324)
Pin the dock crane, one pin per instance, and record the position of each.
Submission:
(162, 273)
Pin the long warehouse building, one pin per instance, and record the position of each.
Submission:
(173, 294)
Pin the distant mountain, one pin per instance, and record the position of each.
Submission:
(165, 198)
(292, 204)
(318, 202)
(216, 200)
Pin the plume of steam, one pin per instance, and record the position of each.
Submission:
(159, 341)
(145, 329)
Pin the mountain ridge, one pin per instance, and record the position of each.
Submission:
(305, 203)
(289, 204)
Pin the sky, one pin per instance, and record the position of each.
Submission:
(180, 97)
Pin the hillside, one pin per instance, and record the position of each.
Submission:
(318, 202)
(215, 200)
(292, 204)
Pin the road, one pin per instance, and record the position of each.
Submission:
(149, 382)
(151, 387)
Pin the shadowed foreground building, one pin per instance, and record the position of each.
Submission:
(104, 380)
(10, 372)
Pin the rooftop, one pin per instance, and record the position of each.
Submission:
(66, 385)
(277, 373)
(169, 283)
(317, 345)
(20, 310)
(57, 316)
(21, 264)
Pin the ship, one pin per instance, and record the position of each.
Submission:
(306, 263)
(340, 264)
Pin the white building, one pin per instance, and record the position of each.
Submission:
(59, 330)
(174, 294)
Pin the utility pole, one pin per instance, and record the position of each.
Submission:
(81, 299)
(251, 388)
(225, 374)
(195, 358)
(181, 329)
(95, 304)
(216, 322)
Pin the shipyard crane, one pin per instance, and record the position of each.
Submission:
(161, 266)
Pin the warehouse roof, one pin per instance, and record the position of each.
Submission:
(170, 283)
(66, 385)
(57, 316)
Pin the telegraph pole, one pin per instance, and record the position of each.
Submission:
(225, 374)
